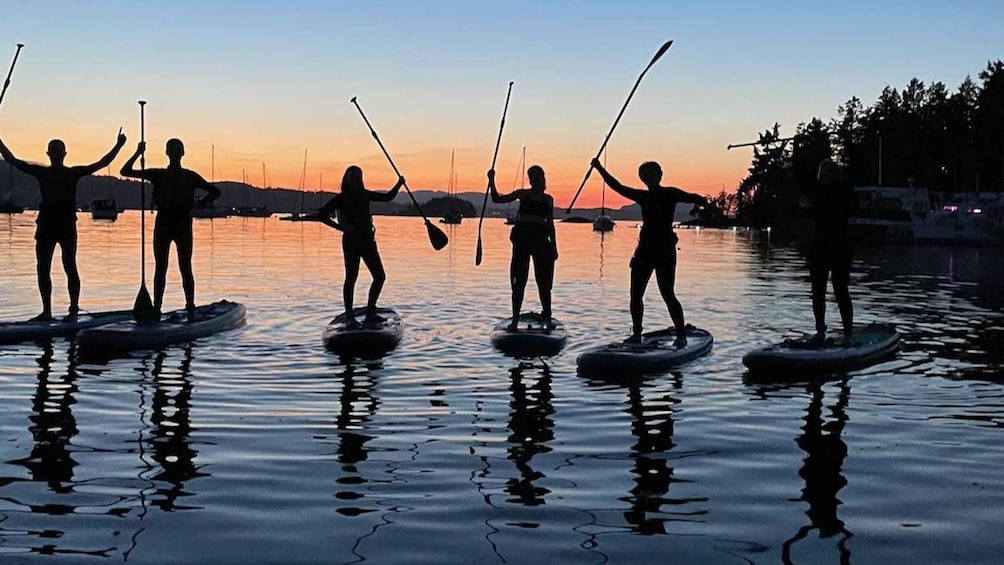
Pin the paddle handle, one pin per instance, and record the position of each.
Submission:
(142, 191)
(498, 142)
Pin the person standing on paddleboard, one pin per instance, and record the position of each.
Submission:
(532, 236)
(656, 251)
(57, 217)
(355, 222)
(830, 253)
(174, 194)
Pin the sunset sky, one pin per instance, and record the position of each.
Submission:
(263, 80)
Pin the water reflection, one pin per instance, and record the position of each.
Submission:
(822, 468)
(53, 425)
(169, 440)
(531, 427)
(357, 406)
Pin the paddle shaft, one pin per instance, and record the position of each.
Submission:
(484, 203)
(389, 160)
(6, 82)
(665, 47)
(142, 192)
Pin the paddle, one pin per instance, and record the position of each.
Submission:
(142, 309)
(6, 82)
(662, 51)
(437, 238)
(484, 204)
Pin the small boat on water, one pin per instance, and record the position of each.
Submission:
(104, 209)
(603, 222)
(209, 212)
(452, 217)
(914, 215)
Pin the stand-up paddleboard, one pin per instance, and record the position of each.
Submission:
(531, 338)
(365, 340)
(655, 352)
(173, 327)
(809, 356)
(16, 332)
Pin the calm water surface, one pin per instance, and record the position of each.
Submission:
(257, 446)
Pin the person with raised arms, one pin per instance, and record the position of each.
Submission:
(174, 194)
(656, 250)
(57, 217)
(532, 236)
(355, 221)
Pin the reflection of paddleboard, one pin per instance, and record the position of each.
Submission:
(14, 332)
(805, 355)
(173, 327)
(654, 353)
(364, 340)
(531, 338)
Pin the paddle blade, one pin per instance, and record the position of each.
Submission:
(436, 236)
(478, 254)
(142, 309)
(662, 51)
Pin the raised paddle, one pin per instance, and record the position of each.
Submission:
(143, 310)
(662, 51)
(484, 204)
(437, 238)
(6, 82)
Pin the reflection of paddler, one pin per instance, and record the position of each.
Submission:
(532, 237)
(532, 426)
(821, 469)
(355, 221)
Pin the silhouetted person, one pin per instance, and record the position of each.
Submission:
(174, 194)
(830, 254)
(656, 251)
(57, 217)
(532, 236)
(355, 222)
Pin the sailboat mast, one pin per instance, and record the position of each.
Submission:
(303, 180)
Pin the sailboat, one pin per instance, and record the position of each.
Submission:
(302, 216)
(510, 215)
(105, 208)
(248, 211)
(210, 210)
(452, 216)
(603, 222)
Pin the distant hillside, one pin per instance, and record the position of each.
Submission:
(282, 200)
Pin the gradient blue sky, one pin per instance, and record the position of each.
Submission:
(262, 80)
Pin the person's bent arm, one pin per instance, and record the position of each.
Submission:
(496, 196)
(107, 159)
(630, 193)
(550, 226)
(690, 197)
(388, 195)
(212, 193)
(324, 214)
(127, 168)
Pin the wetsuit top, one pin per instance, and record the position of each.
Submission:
(657, 209)
(174, 190)
(533, 210)
(831, 207)
(353, 213)
(58, 186)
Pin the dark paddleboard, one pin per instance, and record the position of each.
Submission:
(807, 357)
(173, 327)
(365, 340)
(16, 332)
(655, 353)
(531, 338)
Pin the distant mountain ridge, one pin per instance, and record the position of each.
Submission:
(277, 200)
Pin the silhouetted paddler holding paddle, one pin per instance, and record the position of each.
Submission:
(656, 250)
(355, 221)
(831, 248)
(532, 236)
(57, 217)
(174, 194)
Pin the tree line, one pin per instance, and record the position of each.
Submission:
(923, 135)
